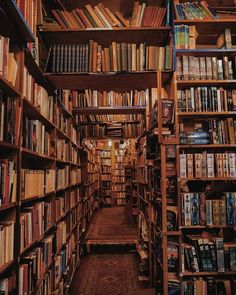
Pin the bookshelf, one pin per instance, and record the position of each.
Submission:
(39, 146)
(105, 193)
(211, 45)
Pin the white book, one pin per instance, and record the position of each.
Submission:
(183, 165)
(232, 166)
(210, 165)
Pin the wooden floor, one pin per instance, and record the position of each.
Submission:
(107, 271)
(109, 227)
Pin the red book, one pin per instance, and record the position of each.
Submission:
(147, 8)
(84, 18)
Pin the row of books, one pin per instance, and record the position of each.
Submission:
(62, 149)
(105, 169)
(214, 131)
(37, 182)
(8, 177)
(208, 165)
(185, 37)
(8, 285)
(29, 10)
(206, 99)
(61, 206)
(34, 265)
(107, 118)
(66, 98)
(204, 68)
(96, 98)
(105, 154)
(33, 223)
(118, 57)
(208, 254)
(120, 200)
(36, 137)
(75, 177)
(38, 96)
(9, 119)
(62, 121)
(105, 177)
(62, 177)
(194, 10)
(209, 285)
(8, 62)
(100, 16)
(197, 210)
(7, 241)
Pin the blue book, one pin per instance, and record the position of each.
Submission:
(180, 11)
(230, 206)
(195, 209)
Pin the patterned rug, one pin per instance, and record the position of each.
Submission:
(114, 274)
(109, 225)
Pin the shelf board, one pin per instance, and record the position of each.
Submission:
(34, 198)
(17, 20)
(4, 268)
(209, 179)
(9, 206)
(207, 146)
(103, 81)
(183, 83)
(205, 226)
(7, 145)
(199, 274)
(34, 113)
(206, 51)
(109, 110)
(8, 88)
(205, 114)
(209, 26)
(106, 36)
(31, 154)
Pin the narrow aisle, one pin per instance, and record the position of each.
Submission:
(109, 273)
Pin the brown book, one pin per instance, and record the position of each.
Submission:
(102, 17)
(115, 19)
(94, 65)
(118, 52)
(155, 16)
(134, 57)
(228, 39)
(94, 16)
(106, 15)
(134, 14)
(129, 49)
(103, 62)
(107, 59)
(124, 57)
(91, 20)
(216, 212)
(73, 21)
(151, 58)
(59, 19)
(114, 57)
(84, 18)
(78, 19)
(231, 131)
(122, 20)
(66, 16)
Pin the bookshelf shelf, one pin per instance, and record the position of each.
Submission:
(110, 110)
(205, 114)
(104, 81)
(17, 19)
(199, 274)
(206, 51)
(207, 146)
(31, 154)
(106, 36)
(33, 111)
(9, 206)
(8, 88)
(184, 83)
(26, 201)
(5, 145)
(6, 267)
(209, 179)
